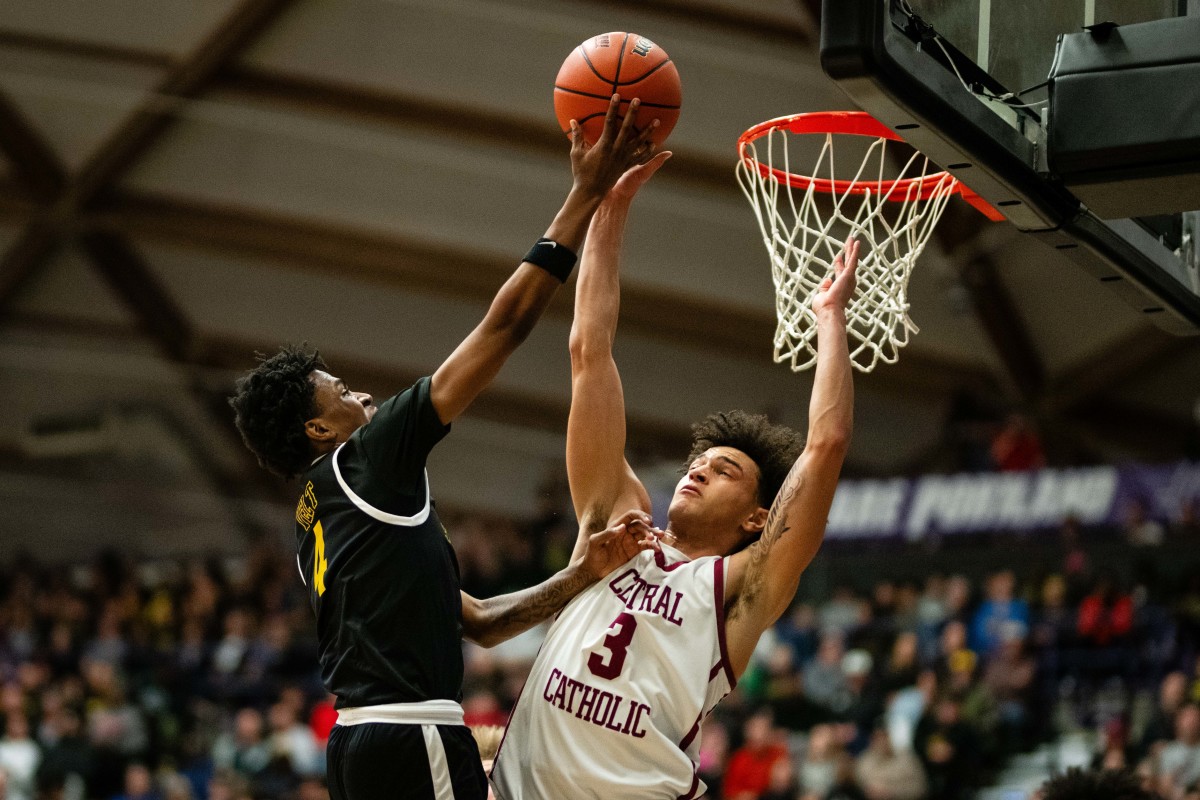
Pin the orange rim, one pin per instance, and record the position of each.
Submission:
(848, 123)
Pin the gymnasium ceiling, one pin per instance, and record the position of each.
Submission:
(187, 181)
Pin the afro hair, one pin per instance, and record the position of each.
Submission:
(773, 448)
(1078, 784)
(271, 405)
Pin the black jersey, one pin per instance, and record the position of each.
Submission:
(381, 574)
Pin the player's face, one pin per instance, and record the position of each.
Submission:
(720, 489)
(339, 409)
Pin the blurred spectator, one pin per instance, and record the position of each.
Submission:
(907, 707)
(244, 750)
(749, 773)
(1106, 614)
(844, 612)
(176, 787)
(957, 598)
(1016, 446)
(19, 757)
(1140, 529)
(907, 617)
(714, 754)
(885, 773)
(68, 754)
(823, 758)
(949, 750)
(1160, 726)
(1054, 621)
(951, 643)
(901, 668)
(1074, 557)
(824, 681)
(1000, 607)
(487, 739)
(1179, 760)
(1077, 784)
(139, 784)
(781, 784)
(845, 787)
(864, 703)
(292, 740)
(1009, 678)
(322, 718)
(798, 630)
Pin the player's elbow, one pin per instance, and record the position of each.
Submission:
(476, 627)
(588, 349)
(486, 639)
(829, 442)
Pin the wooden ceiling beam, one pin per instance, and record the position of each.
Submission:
(34, 165)
(997, 311)
(39, 175)
(745, 21)
(413, 265)
(1133, 356)
(135, 283)
(140, 130)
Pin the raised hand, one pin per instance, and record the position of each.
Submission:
(636, 176)
(625, 538)
(836, 292)
(620, 146)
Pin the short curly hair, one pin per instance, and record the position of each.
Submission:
(1078, 784)
(271, 405)
(773, 448)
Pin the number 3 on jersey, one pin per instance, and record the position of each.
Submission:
(319, 563)
(617, 644)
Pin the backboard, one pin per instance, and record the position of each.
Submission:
(963, 81)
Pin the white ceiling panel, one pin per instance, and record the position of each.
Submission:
(171, 25)
(1173, 388)
(502, 57)
(665, 382)
(1069, 312)
(411, 182)
(74, 102)
(68, 286)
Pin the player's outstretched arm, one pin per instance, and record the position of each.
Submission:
(763, 577)
(489, 622)
(601, 480)
(520, 302)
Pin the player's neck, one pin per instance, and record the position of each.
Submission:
(694, 544)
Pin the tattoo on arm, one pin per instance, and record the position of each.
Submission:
(773, 531)
(511, 614)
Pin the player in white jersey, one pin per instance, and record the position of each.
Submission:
(632, 666)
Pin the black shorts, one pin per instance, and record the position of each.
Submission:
(379, 761)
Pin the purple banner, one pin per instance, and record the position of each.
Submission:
(913, 508)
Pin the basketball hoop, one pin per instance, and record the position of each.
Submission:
(893, 216)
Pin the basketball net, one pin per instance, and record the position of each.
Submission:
(805, 218)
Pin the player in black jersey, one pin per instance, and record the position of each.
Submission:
(383, 579)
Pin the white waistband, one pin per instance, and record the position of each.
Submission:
(430, 712)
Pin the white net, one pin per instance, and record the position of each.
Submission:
(804, 229)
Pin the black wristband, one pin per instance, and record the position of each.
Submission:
(552, 257)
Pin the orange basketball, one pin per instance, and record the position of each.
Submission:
(613, 63)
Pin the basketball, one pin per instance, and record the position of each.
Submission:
(613, 63)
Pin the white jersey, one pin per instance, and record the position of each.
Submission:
(628, 671)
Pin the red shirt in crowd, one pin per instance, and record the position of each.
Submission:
(749, 771)
(1100, 622)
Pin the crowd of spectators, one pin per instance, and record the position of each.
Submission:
(197, 680)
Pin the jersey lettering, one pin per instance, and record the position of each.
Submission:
(306, 508)
(319, 563)
(617, 644)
